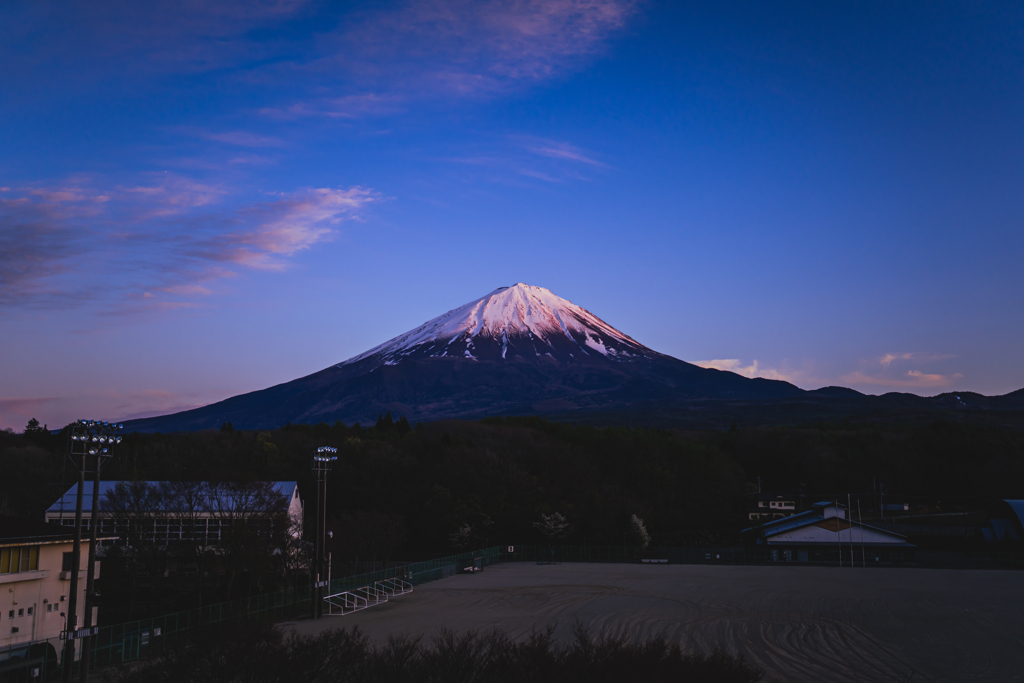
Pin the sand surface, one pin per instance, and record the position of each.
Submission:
(798, 623)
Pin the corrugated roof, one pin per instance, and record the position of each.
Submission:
(66, 503)
(1018, 507)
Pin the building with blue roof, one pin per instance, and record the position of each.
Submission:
(1005, 522)
(823, 534)
(182, 511)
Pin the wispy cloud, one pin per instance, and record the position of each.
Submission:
(243, 138)
(886, 360)
(886, 371)
(345, 107)
(280, 228)
(169, 239)
(169, 195)
(562, 150)
(754, 369)
(88, 40)
(517, 155)
(460, 48)
(912, 379)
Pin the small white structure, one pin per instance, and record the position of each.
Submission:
(824, 534)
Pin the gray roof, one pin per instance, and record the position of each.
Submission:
(66, 503)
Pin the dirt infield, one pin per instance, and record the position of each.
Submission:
(798, 623)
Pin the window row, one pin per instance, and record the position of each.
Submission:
(19, 559)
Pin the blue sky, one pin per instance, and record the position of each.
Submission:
(200, 200)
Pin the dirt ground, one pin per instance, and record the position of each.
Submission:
(799, 623)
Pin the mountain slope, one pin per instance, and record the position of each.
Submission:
(517, 350)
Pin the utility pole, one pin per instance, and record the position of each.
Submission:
(90, 571)
(67, 663)
(324, 457)
(88, 437)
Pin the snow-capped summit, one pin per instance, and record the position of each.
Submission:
(521, 320)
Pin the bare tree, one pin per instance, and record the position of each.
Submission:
(132, 507)
(187, 504)
(253, 519)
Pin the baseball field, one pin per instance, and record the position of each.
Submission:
(801, 624)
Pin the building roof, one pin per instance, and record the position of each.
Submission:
(66, 503)
(816, 516)
(1005, 518)
(1018, 508)
(21, 531)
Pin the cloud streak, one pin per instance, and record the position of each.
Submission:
(752, 370)
(170, 240)
(451, 48)
(913, 379)
(563, 151)
(886, 360)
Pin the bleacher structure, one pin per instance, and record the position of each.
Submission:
(356, 599)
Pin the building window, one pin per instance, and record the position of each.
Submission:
(30, 611)
(21, 611)
(49, 608)
(20, 559)
(10, 615)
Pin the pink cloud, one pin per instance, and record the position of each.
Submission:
(912, 379)
(754, 369)
(172, 195)
(285, 226)
(168, 243)
(887, 359)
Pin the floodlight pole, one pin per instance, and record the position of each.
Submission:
(76, 556)
(323, 458)
(87, 437)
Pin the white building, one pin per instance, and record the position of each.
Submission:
(824, 534)
(35, 582)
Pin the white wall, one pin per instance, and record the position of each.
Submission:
(816, 534)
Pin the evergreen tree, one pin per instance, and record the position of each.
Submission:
(402, 426)
(385, 423)
(33, 427)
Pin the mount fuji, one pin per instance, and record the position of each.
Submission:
(518, 350)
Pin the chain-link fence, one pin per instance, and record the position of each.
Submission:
(41, 661)
(827, 555)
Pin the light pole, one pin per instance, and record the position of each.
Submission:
(322, 461)
(88, 437)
